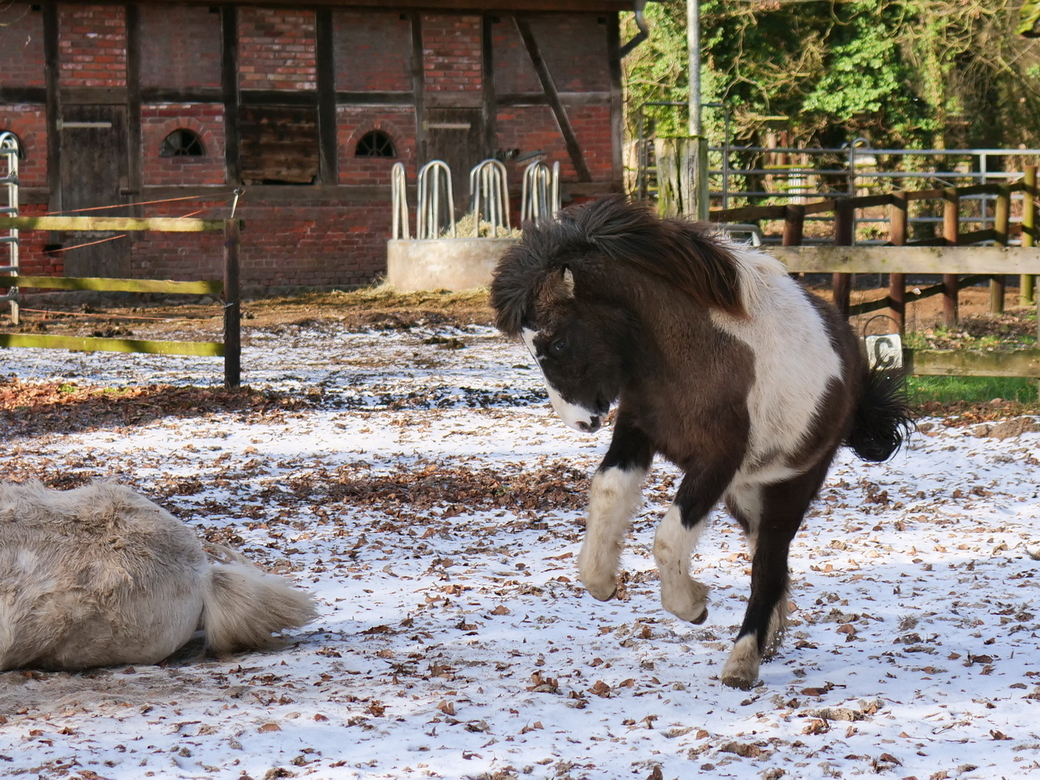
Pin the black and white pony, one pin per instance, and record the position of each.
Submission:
(718, 361)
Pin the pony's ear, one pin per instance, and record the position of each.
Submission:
(558, 287)
(566, 286)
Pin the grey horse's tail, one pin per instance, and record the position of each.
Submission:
(244, 608)
(882, 420)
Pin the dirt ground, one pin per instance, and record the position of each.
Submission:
(381, 307)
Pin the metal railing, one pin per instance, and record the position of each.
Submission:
(763, 175)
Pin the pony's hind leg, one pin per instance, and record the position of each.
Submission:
(679, 531)
(614, 498)
(783, 507)
(673, 545)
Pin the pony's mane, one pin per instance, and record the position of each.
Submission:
(595, 240)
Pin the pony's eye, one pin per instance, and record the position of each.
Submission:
(558, 346)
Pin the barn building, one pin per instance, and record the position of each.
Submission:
(165, 109)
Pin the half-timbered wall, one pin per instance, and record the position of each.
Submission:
(305, 109)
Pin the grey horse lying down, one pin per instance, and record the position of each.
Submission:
(100, 575)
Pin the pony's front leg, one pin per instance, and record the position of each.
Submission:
(677, 537)
(614, 498)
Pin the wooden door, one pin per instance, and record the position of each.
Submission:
(456, 136)
(94, 165)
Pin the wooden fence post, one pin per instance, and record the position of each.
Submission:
(232, 306)
(794, 224)
(843, 229)
(898, 221)
(951, 232)
(1001, 223)
(1025, 282)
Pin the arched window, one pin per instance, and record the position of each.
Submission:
(9, 140)
(375, 143)
(182, 143)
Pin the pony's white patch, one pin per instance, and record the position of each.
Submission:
(741, 669)
(747, 500)
(615, 496)
(574, 415)
(673, 546)
(794, 360)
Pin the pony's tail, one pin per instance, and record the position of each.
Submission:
(244, 608)
(882, 421)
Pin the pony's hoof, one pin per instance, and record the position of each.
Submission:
(700, 618)
(741, 669)
(736, 681)
(601, 593)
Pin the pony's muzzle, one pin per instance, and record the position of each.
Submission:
(594, 423)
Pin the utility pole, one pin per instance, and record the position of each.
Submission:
(693, 46)
(697, 146)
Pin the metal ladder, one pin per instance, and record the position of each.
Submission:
(9, 180)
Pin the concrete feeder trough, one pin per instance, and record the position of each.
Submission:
(453, 264)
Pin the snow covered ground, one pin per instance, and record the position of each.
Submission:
(432, 503)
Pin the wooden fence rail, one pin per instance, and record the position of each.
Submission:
(228, 288)
(950, 255)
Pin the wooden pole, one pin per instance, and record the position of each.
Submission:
(1025, 282)
(232, 306)
(841, 284)
(898, 221)
(951, 232)
(1001, 223)
(794, 224)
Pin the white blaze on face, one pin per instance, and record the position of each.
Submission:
(577, 417)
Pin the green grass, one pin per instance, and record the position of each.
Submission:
(970, 389)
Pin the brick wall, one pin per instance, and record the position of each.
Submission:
(206, 120)
(310, 244)
(92, 45)
(32, 260)
(373, 51)
(353, 122)
(180, 46)
(276, 49)
(451, 54)
(574, 47)
(21, 54)
(29, 123)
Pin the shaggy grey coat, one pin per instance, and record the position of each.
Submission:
(100, 575)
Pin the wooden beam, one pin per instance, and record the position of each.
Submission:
(52, 70)
(912, 259)
(951, 231)
(158, 224)
(134, 140)
(36, 95)
(962, 362)
(418, 88)
(279, 97)
(89, 344)
(899, 224)
(617, 100)
(181, 95)
(570, 138)
(165, 286)
(375, 98)
(232, 307)
(489, 97)
(328, 141)
(230, 92)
